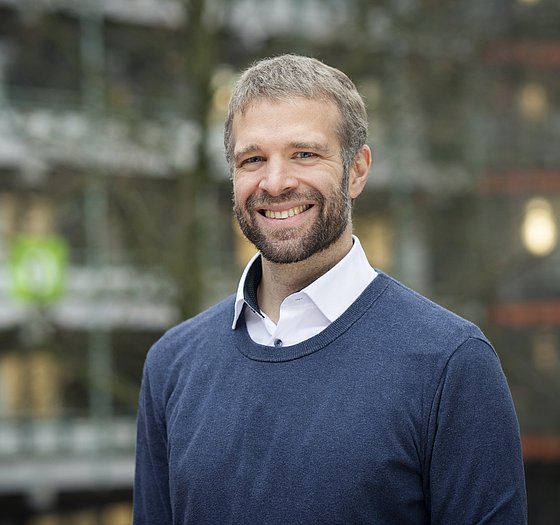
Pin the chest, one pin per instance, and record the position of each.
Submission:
(296, 433)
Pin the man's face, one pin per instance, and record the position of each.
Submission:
(290, 196)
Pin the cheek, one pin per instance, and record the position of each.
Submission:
(241, 192)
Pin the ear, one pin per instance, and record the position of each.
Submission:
(359, 172)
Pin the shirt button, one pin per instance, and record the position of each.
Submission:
(278, 343)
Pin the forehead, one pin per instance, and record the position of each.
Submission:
(296, 119)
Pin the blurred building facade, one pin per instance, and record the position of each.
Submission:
(110, 141)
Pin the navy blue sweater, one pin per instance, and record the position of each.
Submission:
(397, 413)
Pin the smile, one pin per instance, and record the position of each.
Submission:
(286, 213)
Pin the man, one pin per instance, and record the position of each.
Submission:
(324, 392)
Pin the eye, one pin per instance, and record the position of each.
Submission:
(251, 161)
(305, 155)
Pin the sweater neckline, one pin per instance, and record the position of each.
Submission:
(256, 352)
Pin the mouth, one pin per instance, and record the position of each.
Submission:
(285, 214)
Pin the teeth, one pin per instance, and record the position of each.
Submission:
(286, 213)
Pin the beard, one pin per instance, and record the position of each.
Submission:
(291, 245)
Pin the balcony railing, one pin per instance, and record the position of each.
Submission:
(56, 455)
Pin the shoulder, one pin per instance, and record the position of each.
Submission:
(217, 316)
(423, 324)
(183, 340)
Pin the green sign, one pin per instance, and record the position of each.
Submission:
(38, 267)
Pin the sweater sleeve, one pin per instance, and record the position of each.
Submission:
(151, 484)
(475, 468)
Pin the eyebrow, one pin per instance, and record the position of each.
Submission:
(251, 148)
(313, 146)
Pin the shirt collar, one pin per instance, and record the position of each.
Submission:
(336, 290)
(349, 277)
(247, 288)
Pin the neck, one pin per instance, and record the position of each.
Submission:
(281, 280)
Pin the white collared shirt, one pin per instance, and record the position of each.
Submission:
(308, 312)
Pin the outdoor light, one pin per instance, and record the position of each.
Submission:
(528, 2)
(539, 230)
(533, 101)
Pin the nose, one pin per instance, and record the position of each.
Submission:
(277, 178)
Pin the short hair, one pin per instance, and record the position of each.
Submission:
(282, 77)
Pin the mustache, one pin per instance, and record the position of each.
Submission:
(259, 201)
